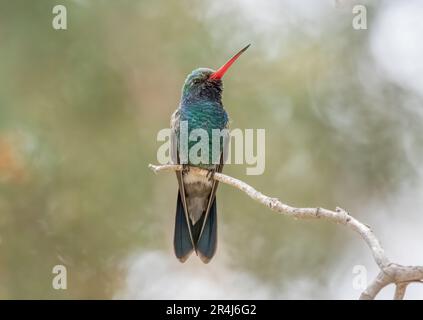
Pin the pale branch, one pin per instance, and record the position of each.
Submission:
(400, 290)
(390, 273)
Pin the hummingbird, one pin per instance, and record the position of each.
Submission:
(196, 213)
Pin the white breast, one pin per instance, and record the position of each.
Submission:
(193, 178)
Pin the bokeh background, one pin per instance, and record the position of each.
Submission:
(80, 110)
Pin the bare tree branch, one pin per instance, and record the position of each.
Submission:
(400, 290)
(390, 273)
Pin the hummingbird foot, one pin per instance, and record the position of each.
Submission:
(185, 168)
(210, 174)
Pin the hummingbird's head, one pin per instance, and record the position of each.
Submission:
(205, 83)
(199, 86)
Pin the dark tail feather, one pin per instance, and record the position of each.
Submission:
(182, 241)
(206, 245)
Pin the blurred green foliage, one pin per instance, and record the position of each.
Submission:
(80, 110)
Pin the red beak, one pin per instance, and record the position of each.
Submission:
(222, 70)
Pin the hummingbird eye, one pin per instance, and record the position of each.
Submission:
(196, 81)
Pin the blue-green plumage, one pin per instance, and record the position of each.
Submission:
(196, 214)
(201, 107)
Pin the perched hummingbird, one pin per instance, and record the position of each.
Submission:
(201, 107)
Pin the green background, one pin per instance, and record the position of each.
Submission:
(80, 110)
